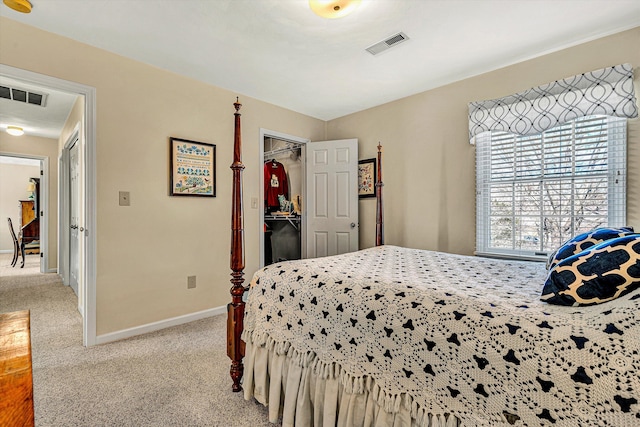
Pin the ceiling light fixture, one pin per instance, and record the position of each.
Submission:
(332, 9)
(22, 6)
(15, 130)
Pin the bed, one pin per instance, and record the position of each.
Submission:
(391, 336)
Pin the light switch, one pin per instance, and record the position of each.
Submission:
(124, 199)
(254, 203)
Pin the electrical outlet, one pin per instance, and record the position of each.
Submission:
(191, 282)
(254, 203)
(124, 199)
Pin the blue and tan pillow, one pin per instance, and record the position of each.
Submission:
(584, 241)
(598, 274)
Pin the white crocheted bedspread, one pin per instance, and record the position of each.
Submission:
(451, 334)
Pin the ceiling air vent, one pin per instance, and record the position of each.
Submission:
(388, 43)
(22, 95)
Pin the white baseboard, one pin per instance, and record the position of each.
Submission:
(162, 324)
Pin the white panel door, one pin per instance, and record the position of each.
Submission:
(74, 213)
(332, 197)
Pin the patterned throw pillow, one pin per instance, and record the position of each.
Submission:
(585, 240)
(599, 274)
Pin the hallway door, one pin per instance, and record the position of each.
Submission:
(74, 214)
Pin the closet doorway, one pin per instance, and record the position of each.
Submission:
(308, 197)
(282, 197)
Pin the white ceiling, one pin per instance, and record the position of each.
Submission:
(45, 121)
(280, 52)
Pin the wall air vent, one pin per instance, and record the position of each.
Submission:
(388, 43)
(22, 95)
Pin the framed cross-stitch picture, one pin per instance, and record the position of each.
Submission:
(366, 178)
(193, 168)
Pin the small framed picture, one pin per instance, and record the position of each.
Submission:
(193, 168)
(366, 178)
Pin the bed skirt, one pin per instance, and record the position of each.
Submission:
(304, 392)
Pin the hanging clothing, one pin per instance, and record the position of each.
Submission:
(275, 183)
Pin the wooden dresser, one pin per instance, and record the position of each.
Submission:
(16, 377)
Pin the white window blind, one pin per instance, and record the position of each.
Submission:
(536, 191)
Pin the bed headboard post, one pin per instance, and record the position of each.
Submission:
(235, 309)
(379, 208)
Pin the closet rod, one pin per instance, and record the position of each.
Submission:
(277, 151)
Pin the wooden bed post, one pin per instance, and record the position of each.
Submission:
(235, 309)
(379, 210)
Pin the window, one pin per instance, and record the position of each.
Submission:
(534, 192)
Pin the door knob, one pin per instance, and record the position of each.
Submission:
(353, 225)
(81, 229)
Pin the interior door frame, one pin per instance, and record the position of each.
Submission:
(266, 133)
(43, 205)
(88, 256)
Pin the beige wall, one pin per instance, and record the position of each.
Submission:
(40, 147)
(146, 251)
(13, 187)
(428, 163)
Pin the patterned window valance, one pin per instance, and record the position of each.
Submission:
(608, 91)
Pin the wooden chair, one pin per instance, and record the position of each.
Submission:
(16, 245)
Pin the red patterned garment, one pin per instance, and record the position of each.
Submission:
(275, 183)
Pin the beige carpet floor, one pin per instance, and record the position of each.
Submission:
(174, 377)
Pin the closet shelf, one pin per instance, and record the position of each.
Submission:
(279, 146)
(294, 219)
(268, 155)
